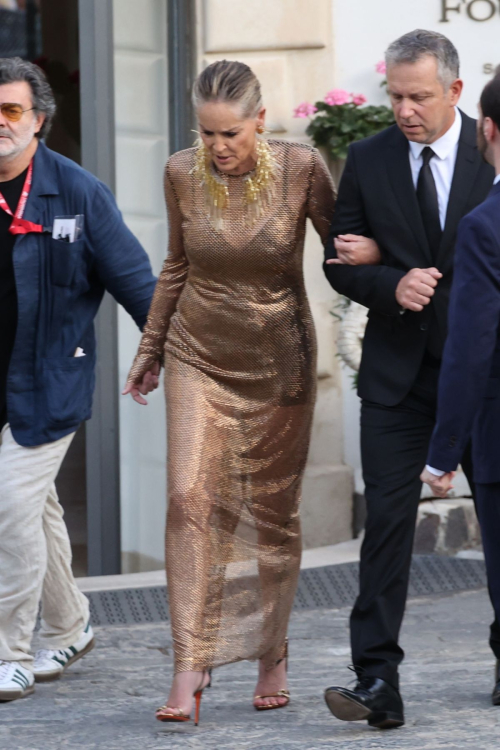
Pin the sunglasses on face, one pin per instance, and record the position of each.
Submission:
(13, 112)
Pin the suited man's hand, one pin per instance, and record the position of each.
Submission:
(440, 486)
(416, 288)
(355, 250)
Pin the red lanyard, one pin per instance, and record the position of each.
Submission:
(20, 225)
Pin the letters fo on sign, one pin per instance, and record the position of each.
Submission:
(476, 10)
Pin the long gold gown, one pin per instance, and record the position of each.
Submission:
(231, 322)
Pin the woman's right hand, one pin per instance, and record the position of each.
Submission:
(355, 250)
(150, 381)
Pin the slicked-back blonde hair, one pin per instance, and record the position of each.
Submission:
(230, 82)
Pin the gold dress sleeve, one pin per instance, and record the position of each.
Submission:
(321, 197)
(168, 289)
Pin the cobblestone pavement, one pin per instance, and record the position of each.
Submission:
(108, 699)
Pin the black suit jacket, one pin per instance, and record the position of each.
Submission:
(377, 199)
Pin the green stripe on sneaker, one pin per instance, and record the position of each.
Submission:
(73, 650)
(20, 679)
(62, 663)
(21, 675)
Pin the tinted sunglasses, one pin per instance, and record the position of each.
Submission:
(13, 112)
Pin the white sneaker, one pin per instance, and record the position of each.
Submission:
(15, 681)
(49, 664)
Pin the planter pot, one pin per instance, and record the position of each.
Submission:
(351, 335)
(336, 166)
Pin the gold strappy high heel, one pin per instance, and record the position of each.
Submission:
(164, 713)
(279, 694)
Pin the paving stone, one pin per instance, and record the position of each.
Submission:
(108, 699)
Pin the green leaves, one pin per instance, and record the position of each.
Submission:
(335, 127)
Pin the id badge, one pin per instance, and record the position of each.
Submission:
(67, 228)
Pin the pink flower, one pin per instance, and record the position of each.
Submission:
(380, 67)
(337, 96)
(359, 99)
(304, 110)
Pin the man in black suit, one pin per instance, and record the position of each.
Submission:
(469, 383)
(407, 188)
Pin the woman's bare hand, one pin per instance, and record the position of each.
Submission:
(150, 381)
(355, 250)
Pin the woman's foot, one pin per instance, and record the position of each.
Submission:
(271, 682)
(184, 686)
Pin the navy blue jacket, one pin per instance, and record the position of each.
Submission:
(469, 384)
(59, 288)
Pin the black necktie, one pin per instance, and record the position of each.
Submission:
(428, 201)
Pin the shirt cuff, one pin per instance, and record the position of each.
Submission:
(436, 472)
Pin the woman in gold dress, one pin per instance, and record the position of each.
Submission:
(231, 324)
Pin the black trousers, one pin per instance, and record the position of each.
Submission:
(488, 511)
(394, 444)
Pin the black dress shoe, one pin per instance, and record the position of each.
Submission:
(372, 699)
(495, 696)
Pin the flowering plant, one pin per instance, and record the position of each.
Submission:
(340, 119)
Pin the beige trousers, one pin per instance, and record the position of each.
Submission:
(35, 553)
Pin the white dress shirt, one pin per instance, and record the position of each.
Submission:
(431, 469)
(442, 164)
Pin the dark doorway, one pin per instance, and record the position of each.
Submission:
(46, 32)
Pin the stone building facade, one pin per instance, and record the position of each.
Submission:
(299, 49)
(131, 63)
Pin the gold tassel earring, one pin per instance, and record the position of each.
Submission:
(260, 184)
(215, 189)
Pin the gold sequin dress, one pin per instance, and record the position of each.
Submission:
(231, 323)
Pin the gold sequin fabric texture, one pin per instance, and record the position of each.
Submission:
(231, 322)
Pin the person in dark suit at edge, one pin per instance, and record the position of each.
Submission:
(469, 383)
(407, 188)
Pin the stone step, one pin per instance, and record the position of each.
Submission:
(446, 527)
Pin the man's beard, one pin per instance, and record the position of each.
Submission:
(17, 145)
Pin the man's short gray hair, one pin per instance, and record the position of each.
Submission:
(14, 69)
(411, 47)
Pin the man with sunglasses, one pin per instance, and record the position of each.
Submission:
(62, 244)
